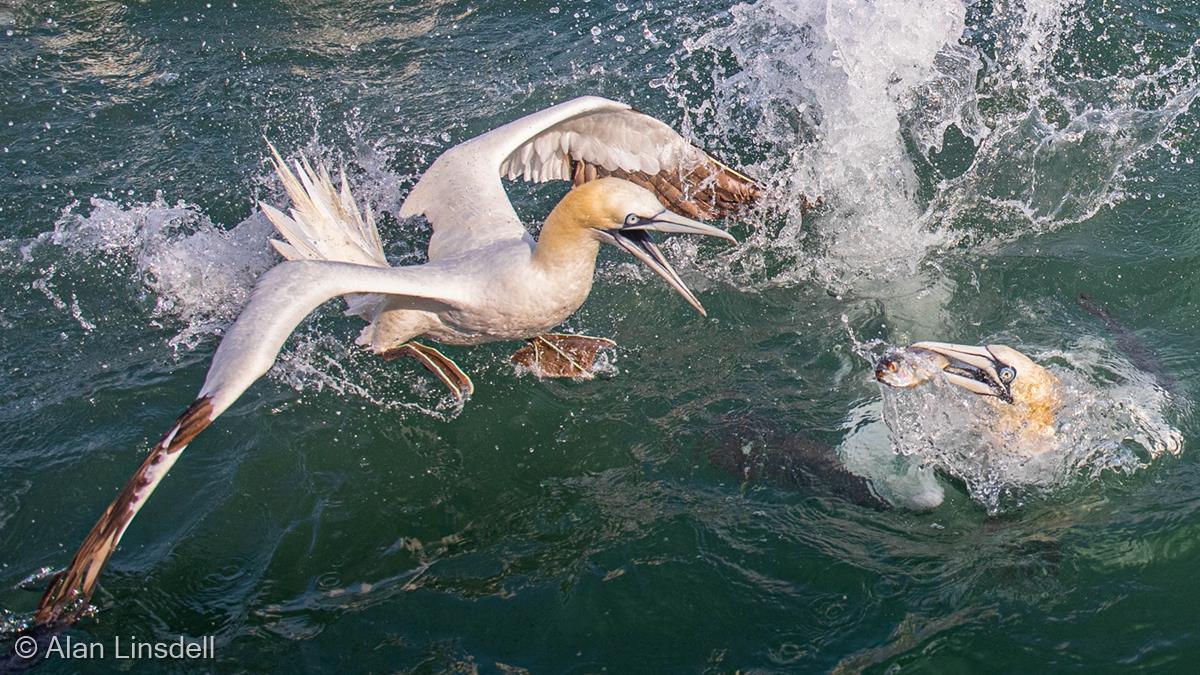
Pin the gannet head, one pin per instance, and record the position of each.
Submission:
(1027, 393)
(615, 211)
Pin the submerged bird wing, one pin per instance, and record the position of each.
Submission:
(281, 299)
(585, 138)
(1129, 342)
(325, 223)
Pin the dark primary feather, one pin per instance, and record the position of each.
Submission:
(1130, 344)
(68, 593)
(710, 190)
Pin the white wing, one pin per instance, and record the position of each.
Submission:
(289, 292)
(463, 198)
(282, 298)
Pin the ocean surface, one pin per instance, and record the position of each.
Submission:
(981, 164)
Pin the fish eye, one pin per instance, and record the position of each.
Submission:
(1007, 374)
(631, 220)
(891, 365)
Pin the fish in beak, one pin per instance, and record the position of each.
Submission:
(908, 367)
(634, 236)
(984, 370)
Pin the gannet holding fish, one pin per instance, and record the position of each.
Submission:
(486, 278)
(1025, 395)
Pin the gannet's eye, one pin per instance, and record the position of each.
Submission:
(631, 220)
(1007, 374)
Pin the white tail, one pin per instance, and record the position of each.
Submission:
(325, 224)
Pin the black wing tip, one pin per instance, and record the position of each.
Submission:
(194, 419)
(66, 597)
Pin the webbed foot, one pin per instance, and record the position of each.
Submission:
(561, 355)
(437, 363)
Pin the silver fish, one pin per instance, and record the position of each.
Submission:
(909, 367)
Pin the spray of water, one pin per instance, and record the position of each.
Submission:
(925, 125)
(196, 272)
(938, 131)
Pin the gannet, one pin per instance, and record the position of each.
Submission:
(486, 278)
(1025, 395)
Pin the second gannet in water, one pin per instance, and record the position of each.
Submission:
(486, 278)
(1025, 395)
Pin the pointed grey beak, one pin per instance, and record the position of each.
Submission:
(667, 221)
(973, 368)
(636, 239)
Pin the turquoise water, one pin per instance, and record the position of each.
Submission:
(981, 165)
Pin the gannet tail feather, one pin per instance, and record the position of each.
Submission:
(325, 223)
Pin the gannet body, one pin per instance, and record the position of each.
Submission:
(486, 278)
(1024, 395)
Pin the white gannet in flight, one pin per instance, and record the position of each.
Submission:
(1025, 395)
(486, 279)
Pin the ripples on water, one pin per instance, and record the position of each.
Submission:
(978, 163)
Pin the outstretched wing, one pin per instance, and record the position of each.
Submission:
(586, 138)
(282, 298)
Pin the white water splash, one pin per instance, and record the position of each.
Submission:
(855, 101)
(824, 87)
(197, 273)
(321, 362)
(938, 131)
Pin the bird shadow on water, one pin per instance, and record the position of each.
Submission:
(757, 453)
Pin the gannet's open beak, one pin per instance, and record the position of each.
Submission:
(636, 239)
(973, 368)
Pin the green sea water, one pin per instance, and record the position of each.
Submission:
(981, 164)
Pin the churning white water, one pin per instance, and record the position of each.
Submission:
(847, 100)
